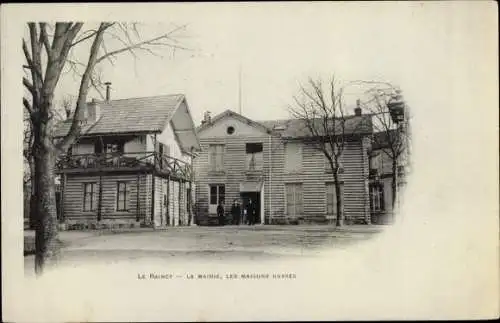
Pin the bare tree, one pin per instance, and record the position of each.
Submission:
(48, 50)
(321, 110)
(68, 104)
(387, 106)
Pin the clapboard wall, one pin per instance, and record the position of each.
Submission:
(312, 176)
(74, 195)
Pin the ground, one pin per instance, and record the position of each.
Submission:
(210, 243)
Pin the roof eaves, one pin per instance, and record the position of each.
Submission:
(192, 124)
(169, 117)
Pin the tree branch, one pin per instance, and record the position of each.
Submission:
(44, 39)
(29, 86)
(81, 104)
(137, 45)
(92, 34)
(27, 105)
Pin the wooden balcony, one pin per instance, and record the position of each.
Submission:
(131, 162)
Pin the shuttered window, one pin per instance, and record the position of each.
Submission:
(122, 196)
(293, 157)
(89, 197)
(331, 198)
(216, 157)
(377, 200)
(294, 199)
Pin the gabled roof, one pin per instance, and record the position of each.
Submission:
(296, 128)
(230, 113)
(146, 114)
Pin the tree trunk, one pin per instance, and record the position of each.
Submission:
(339, 220)
(46, 242)
(46, 229)
(33, 212)
(394, 186)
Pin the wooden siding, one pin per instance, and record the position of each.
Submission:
(169, 138)
(73, 197)
(313, 176)
(177, 211)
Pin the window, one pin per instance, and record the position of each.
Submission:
(89, 197)
(377, 201)
(331, 198)
(113, 148)
(293, 199)
(376, 161)
(254, 156)
(122, 196)
(230, 130)
(217, 194)
(293, 157)
(328, 167)
(162, 149)
(216, 157)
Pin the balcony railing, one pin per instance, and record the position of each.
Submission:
(143, 160)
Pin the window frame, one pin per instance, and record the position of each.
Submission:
(93, 197)
(214, 150)
(379, 188)
(257, 156)
(300, 150)
(217, 193)
(298, 208)
(126, 196)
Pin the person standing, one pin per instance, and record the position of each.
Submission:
(254, 213)
(220, 212)
(249, 212)
(236, 212)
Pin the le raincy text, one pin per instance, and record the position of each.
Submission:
(216, 276)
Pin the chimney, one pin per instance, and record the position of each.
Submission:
(93, 111)
(108, 90)
(357, 110)
(206, 118)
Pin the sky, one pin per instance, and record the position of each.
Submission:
(278, 46)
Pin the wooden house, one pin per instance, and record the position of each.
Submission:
(271, 163)
(131, 166)
(381, 175)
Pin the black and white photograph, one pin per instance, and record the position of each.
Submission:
(250, 161)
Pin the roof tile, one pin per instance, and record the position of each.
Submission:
(146, 114)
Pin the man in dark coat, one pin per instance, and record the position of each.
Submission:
(250, 213)
(236, 212)
(220, 212)
(247, 212)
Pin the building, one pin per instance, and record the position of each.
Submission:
(270, 163)
(131, 166)
(381, 176)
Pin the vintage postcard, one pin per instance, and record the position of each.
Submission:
(249, 161)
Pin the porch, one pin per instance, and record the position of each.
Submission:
(143, 162)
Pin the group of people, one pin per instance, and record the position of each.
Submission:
(245, 215)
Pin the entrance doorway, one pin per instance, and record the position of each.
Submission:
(255, 197)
